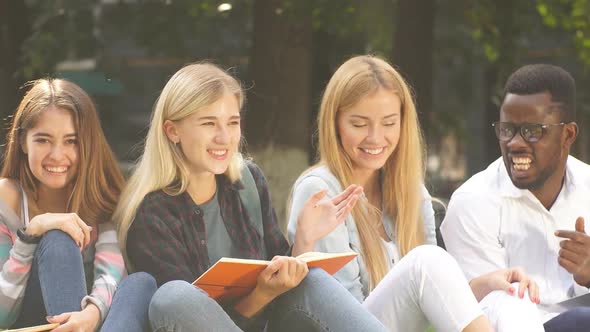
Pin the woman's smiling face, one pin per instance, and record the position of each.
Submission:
(369, 130)
(51, 147)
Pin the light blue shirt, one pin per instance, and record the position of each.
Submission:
(345, 237)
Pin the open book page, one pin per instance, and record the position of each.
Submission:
(38, 328)
(313, 255)
(574, 302)
(329, 262)
(232, 278)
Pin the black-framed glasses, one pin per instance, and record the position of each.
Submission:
(530, 132)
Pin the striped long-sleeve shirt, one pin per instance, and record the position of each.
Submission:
(102, 260)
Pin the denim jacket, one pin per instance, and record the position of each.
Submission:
(354, 276)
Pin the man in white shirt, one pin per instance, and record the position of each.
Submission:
(529, 207)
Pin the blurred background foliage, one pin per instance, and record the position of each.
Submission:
(456, 55)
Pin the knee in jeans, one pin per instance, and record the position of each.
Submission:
(56, 234)
(316, 278)
(172, 297)
(56, 242)
(315, 275)
(142, 281)
(166, 296)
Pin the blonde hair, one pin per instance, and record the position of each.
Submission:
(98, 181)
(403, 173)
(163, 165)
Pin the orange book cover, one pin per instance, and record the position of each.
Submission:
(38, 328)
(232, 278)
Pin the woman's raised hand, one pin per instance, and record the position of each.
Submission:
(321, 215)
(68, 223)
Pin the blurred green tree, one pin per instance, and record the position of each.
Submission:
(14, 29)
(572, 16)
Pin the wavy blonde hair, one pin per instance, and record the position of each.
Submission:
(99, 181)
(403, 173)
(163, 165)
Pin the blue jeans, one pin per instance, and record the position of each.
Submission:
(319, 303)
(574, 320)
(57, 284)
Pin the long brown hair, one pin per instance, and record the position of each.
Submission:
(99, 180)
(403, 173)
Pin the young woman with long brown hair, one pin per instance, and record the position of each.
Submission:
(58, 248)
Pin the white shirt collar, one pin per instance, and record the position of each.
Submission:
(508, 189)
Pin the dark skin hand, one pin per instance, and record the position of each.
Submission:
(574, 255)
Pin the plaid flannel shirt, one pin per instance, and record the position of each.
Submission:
(168, 238)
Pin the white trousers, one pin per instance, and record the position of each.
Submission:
(426, 287)
(509, 313)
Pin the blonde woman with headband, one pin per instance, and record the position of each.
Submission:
(182, 211)
(369, 135)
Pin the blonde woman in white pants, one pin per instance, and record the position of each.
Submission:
(369, 135)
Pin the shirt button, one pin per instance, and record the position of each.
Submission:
(203, 242)
(198, 211)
